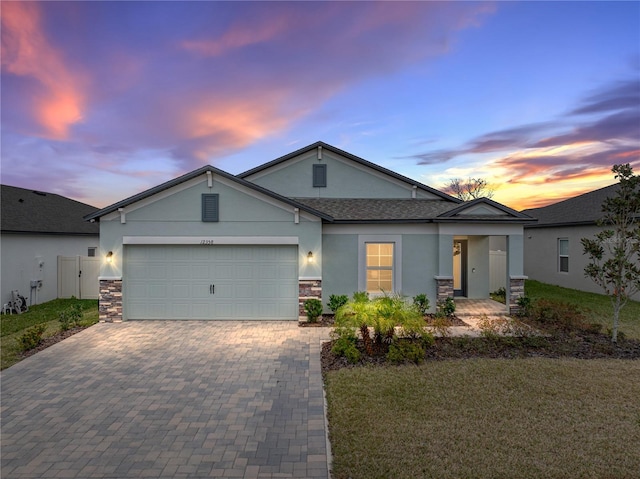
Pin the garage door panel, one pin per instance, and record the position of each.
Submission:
(174, 282)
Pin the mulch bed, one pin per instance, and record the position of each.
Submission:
(327, 320)
(50, 341)
(576, 345)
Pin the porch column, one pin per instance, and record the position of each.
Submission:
(515, 272)
(110, 303)
(444, 288)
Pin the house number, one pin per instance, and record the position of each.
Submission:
(206, 242)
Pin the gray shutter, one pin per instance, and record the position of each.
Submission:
(319, 176)
(210, 208)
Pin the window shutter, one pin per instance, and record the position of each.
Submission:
(319, 176)
(210, 208)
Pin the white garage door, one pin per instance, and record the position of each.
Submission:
(210, 282)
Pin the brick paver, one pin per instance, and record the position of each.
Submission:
(169, 399)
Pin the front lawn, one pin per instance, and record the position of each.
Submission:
(486, 418)
(596, 306)
(14, 325)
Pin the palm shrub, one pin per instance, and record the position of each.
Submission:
(336, 301)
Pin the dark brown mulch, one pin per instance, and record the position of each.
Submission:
(448, 321)
(327, 320)
(50, 341)
(576, 345)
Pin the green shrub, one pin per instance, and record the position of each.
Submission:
(336, 301)
(360, 297)
(31, 337)
(70, 317)
(447, 307)
(441, 325)
(345, 344)
(524, 303)
(560, 316)
(313, 308)
(406, 351)
(421, 302)
(499, 295)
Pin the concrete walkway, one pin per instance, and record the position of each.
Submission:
(169, 400)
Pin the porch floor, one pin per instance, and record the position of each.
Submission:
(478, 307)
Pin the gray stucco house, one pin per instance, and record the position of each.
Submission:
(553, 252)
(35, 228)
(316, 222)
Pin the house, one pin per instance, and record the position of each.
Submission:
(316, 222)
(552, 249)
(35, 229)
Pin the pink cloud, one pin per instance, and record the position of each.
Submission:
(26, 52)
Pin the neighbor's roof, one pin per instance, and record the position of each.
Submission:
(354, 158)
(368, 210)
(585, 209)
(29, 211)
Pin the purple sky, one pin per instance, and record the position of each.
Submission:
(102, 100)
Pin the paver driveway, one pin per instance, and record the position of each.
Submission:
(167, 399)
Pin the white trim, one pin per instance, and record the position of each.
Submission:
(209, 179)
(489, 229)
(123, 215)
(518, 276)
(109, 278)
(397, 259)
(310, 278)
(296, 215)
(443, 277)
(369, 229)
(212, 240)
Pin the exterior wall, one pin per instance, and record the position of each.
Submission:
(541, 257)
(21, 256)
(417, 264)
(345, 179)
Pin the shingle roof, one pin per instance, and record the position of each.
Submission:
(579, 210)
(29, 211)
(353, 210)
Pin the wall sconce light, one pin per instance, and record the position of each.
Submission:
(110, 257)
(309, 257)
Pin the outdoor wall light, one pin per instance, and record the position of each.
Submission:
(309, 257)
(109, 256)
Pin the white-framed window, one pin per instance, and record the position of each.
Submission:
(563, 255)
(379, 261)
(91, 251)
(379, 264)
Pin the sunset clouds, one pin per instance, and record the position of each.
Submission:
(101, 100)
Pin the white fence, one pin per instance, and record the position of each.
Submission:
(497, 270)
(78, 276)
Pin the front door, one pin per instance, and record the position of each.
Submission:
(460, 267)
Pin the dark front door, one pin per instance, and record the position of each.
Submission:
(460, 267)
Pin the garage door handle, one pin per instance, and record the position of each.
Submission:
(212, 289)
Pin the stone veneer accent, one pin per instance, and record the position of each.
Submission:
(516, 290)
(110, 309)
(308, 289)
(445, 288)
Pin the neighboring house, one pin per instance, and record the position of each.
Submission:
(316, 222)
(35, 228)
(553, 252)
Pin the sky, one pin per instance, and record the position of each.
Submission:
(103, 100)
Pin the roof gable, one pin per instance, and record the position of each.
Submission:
(483, 209)
(39, 212)
(409, 186)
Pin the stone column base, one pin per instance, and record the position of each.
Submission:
(445, 288)
(308, 288)
(110, 305)
(516, 291)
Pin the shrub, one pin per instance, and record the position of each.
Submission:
(441, 325)
(421, 302)
(345, 344)
(560, 316)
(336, 301)
(31, 337)
(360, 297)
(313, 308)
(524, 303)
(447, 307)
(499, 295)
(406, 351)
(70, 317)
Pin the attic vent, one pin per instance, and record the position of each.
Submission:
(41, 193)
(319, 176)
(210, 209)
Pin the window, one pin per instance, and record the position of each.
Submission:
(379, 267)
(91, 252)
(210, 208)
(563, 255)
(319, 176)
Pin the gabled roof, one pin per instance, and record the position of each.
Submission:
(353, 158)
(39, 212)
(584, 209)
(408, 210)
(201, 171)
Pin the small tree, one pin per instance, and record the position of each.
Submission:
(614, 254)
(471, 189)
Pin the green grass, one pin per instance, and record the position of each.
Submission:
(13, 326)
(596, 306)
(529, 418)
